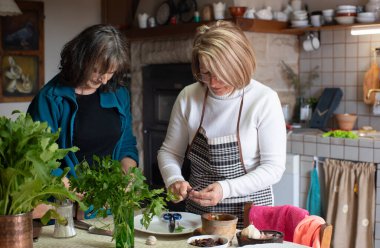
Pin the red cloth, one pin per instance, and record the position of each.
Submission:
(280, 218)
(308, 230)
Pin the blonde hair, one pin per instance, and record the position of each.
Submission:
(226, 52)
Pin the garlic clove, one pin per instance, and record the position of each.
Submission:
(151, 240)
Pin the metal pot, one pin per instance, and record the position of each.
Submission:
(16, 231)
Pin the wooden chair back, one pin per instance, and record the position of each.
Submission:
(326, 235)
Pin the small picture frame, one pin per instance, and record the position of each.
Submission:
(22, 53)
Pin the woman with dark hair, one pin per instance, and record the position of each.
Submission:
(87, 99)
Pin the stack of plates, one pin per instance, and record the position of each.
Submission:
(345, 14)
(299, 19)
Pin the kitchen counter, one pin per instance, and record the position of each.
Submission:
(309, 142)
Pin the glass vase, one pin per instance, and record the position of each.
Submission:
(124, 232)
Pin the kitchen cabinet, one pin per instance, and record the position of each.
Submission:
(287, 190)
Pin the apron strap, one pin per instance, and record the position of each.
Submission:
(200, 124)
(238, 133)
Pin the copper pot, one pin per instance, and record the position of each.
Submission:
(16, 231)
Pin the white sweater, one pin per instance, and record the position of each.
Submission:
(262, 134)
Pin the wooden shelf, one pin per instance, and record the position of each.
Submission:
(160, 32)
(300, 31)
(249, 25)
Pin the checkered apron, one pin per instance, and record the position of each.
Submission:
(219, 159)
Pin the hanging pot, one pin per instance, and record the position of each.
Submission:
(16, 231)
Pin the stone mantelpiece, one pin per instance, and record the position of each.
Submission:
(270, 49)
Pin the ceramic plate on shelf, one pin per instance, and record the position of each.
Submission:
(188, 223)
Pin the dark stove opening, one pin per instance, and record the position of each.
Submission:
(161, 86)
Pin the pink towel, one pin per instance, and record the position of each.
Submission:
(280, 218)
(308, 231)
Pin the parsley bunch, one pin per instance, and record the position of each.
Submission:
(105, 185)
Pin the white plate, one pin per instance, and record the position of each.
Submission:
(276, 245)
(189, 222)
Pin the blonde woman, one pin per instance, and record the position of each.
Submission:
(229, 126)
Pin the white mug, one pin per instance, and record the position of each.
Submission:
(316, 20)
(143, 20)
(311, 43)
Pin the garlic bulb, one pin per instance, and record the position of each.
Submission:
(151, 240)
(251, 232)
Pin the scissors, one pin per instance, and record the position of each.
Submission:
(172, 217)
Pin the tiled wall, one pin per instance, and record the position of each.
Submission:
(310, 145)
(343, 60)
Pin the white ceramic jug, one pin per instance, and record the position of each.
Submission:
(250, 13)
(219, 9)
(143, 18)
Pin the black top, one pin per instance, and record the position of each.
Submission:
(96, 129)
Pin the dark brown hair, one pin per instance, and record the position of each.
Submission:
(97, 48)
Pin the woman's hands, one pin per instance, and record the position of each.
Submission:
(180, 189)
(127, 163)
(209, 196)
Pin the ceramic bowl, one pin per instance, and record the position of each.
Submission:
(345, 19)
(219, 224)
(366, 15)
(346, 121)
(346, 14)
(300, 23)
(299, 15)
(237, 11)
(365, 19)
(328, 12)
(273, 237)
(346, 7)
(204, 240)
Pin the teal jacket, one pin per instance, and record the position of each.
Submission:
(56, 104)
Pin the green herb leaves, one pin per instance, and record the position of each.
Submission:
(104, 185)
(341, 134)
(28, 155)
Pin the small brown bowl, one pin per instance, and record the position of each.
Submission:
(237, 11)
(346, 121)
(277, 237)
(219, 224)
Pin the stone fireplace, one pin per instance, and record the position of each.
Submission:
(270, 49)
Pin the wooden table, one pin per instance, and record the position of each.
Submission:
(83, 239)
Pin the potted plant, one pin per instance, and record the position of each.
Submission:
(28, 155)
(300, 86)
(105, 186)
